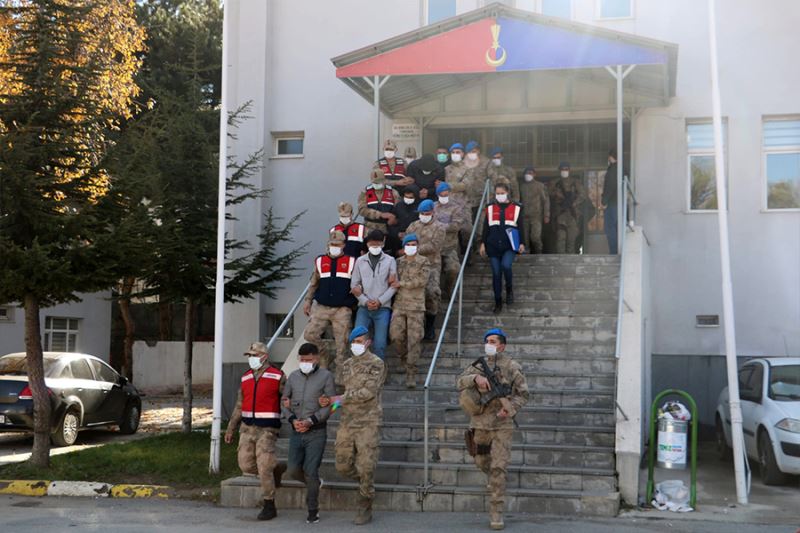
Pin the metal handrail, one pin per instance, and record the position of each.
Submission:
(621, 245)
(289, 316)
(458, 287)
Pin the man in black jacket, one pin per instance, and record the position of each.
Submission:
(609, 201)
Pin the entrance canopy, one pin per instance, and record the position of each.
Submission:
(526, 54)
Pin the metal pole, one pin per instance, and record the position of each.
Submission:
(376, 92)
(219, 293)
(620, 156)
(425, 431)
(460, 307)
(737, 435)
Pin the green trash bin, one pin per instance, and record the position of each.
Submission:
(672, 443)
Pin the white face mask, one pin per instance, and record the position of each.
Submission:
(425, 218)
(472, 156)
(378, 186)
(254, 362)
(375, 250)
(456, 157)
(497, 162)
(358, 349)
(565, 173)
(335, 251)
(345, 220)
(426, 172)
(528, 177)
(490, 349)
(502, 198)
(409, 160)
(408, 201)
(389, 154)
(444, 199)
(410, 249)
(306, 368)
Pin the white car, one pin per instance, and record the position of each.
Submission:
(769, 389)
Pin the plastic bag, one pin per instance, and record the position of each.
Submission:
(672, 495)
(675, 411)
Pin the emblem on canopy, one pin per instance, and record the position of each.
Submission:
(496, 54)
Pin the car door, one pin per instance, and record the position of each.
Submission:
(87, 389)
(750, 395)
(113, 397)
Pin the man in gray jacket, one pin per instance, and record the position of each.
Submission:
(301, 409)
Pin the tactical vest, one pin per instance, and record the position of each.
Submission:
(334, 281)
(355, 234)
(383, 203)
(261, 398)
(508, 217)
(399, 168)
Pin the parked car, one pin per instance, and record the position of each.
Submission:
(769, 389)
(84, 392)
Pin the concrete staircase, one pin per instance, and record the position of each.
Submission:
(562, 330)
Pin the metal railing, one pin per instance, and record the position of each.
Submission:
(627, 191)
(288, 317)
(458, 288)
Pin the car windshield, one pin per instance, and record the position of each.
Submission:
(784, 383)
(15, 365)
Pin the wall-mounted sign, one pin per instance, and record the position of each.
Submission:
(405, 130)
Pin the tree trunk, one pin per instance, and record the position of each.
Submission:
(188, 337)
(130, 326)
(40, 455)
(164, 321)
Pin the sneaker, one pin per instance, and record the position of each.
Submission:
(313, 516)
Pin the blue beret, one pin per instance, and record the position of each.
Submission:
(472, 145)
(410, 237)
(424, 206)
(442, 187)
(457, 146)
(496, 150)
(357, 332)
(495, 331)
(564, 164)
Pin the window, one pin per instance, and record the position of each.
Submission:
(288, 144)
(103, 372)
(557, 8)
(614, 9)
(781, 147)
(274, 321)
(702, 172)
(80, 369)
(6, 313)
(60, 334)
(437, 10)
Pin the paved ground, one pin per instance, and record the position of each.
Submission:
(23, 515)
(159, 414)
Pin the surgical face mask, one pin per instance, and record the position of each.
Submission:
(528, 177)
(426, 172)
(345, 220)
(497, 162)
(389, 154)
(409, 160)
(456, 157)
(472, 156)
(375, 250)
(358, 349)
(408, 201)
(502, 198)
(378, 186)
(306, 368)
(441, 158)
(565, 173)
(335, 251)
(425, 218)
(611, 160)
(410, 249)
(490, 349)
(254, 362)
(444, 199)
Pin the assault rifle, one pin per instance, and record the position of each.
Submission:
(497, 389)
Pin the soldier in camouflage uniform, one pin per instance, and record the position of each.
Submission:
(498, 169)
(475, 176)
(536, 201)
(432, 237)
(376, 202)
(456, 176)
(568, 198)
(408, 310)
(491, 426)
(359, 430)
(450, 212)
(260, 421)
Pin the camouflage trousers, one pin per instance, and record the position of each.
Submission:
(357, 454)
(534, 241)
(494, 463)
(566, 234)
(340, 320)
(256, 454)
(433, 290)
(450, 267)
(406, 330)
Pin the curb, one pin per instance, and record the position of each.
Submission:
(86, 489)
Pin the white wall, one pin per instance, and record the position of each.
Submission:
(161, 366)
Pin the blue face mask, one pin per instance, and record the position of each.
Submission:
(441, 158)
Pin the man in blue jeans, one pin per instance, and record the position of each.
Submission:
(300, 406)
(372, 279)
(504, 231)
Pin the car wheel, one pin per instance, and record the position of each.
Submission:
(770, 474)
(130, 418)
(723, 450)
(67, 432)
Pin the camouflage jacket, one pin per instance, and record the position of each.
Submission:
(363, 377)
(510, 373)
(476, 179)
(568, 197)
(507, 172)
(536, 200)
(455, 217)
(413, 275)
(456, 176)
(431, 239)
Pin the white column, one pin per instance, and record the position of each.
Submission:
(620, 156)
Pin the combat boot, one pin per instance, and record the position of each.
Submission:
(268, 512)
(364, 515)
(411, 377)
(430, 332)
(496, 518)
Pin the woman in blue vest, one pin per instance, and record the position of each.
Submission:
(501, 239)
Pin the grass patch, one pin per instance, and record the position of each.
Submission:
(173, 459)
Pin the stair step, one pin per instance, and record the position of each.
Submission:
(485, 306)
(579, 416)
(523, 278)
(545, 379)
(556, 271)
(523, 293)
(539, 397)
(521, 320)
(538, 335)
